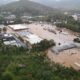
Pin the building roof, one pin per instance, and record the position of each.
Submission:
(63, 47)
(2, 26)
(10, 17)
(18, 27)
(7, 35)
(9, 39)
(9, 42)
(32, 38)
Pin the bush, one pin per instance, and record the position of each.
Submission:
(43, 45)
(7, 76)
(77, 40)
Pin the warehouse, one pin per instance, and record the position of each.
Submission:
(31, 38)
(18, 27)
(10, 39)
(61, 48)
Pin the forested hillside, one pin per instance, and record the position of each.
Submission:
(28, 7)
(61, 4)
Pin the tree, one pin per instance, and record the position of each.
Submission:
(43, 45)
(19, 64)
(4, 29)
(1, 19)
(77, 40)
(7, 76)
(18, 20)
(0, 30)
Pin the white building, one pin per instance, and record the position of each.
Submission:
(31, 38)
(18, 27)
(9, 39)
(75, 17)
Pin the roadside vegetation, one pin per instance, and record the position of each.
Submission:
(69, 23)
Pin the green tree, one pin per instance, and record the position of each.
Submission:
(7, 76)
(4, 29)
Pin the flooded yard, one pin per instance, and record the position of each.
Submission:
(68, 57)
(62, 37)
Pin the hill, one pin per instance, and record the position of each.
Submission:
(61, 4)
(28, 7)
(3, 2)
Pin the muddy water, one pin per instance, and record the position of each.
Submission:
(67, 58)
(62, 38)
